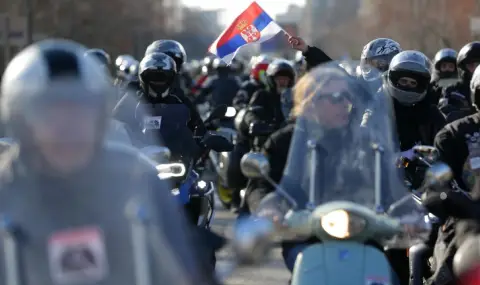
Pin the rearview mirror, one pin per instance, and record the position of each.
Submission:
(438, 174)
(217, 113)
(231, 112)
(254, 165)
(217, 143)
(157, 153)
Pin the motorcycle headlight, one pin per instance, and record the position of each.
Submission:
(341, 224)
(231, 112)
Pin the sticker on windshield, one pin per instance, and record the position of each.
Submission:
(152, 123)
(77, 256)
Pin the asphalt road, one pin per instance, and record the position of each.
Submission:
(273, 272)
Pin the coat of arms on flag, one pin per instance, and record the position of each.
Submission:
(253, 25)
(248, 32)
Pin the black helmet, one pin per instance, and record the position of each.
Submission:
(99, 55)
(156, 73)
(377, 54)
(445, 55)
(413, 65)
(280, 67)
(470, 53)
(171, 48)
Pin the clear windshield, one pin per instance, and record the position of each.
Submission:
(340, 150)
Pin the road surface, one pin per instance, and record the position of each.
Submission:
(271, 273)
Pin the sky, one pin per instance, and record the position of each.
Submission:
(232, 8)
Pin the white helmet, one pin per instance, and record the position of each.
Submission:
(48, 70)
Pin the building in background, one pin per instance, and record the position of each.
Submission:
(199, 29)
(321, 16)
(289, 21)
(426, 25)
(173, 11)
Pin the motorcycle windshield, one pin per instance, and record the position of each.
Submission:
(337, 141)
(169, 121)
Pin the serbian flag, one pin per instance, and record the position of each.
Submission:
(254, 25)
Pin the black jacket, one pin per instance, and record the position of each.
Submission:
(245, 94)
(221, 88)
(453, 143)
(265, 107)
(417, 124)
(125, 110)
(276, 150)
(315, 56)
(42, 205)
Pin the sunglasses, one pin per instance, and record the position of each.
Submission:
(336, 97)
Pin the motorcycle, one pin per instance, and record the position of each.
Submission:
(341, 199)
(195, 194)
(220, 162)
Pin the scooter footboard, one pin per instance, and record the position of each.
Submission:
(342, 263)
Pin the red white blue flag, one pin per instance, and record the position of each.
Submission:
(253, 25)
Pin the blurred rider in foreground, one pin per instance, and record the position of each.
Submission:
(66, 194)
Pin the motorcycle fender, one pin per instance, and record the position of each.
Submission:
(341, 263)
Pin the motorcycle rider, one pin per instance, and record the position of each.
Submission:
(62, 180)
(221, 88)
(207, 71)
(444, 73)
(457, 97)
(175, 50)
(376, 56)
(445, 67)
(326, 101)
(417, 120)
(238, 68)
(157, 73)
(122, 64)
(456, 141)
(457, 145)
(256, 82)
(265, 105)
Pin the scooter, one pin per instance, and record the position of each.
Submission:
(354, 237)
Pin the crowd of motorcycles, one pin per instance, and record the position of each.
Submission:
(344, 239)
(220, 172)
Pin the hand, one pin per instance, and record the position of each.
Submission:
(297, 43)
